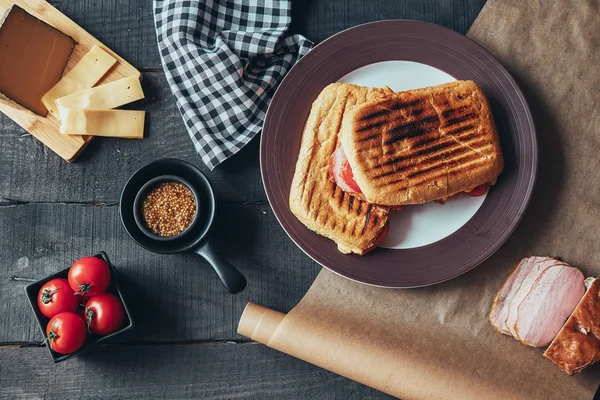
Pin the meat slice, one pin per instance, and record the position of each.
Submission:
(340, 172)
(552, 298)
(524, 289)
(577, 345)
(499, 311)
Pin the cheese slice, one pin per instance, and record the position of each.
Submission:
(113, 123)
(85, 74)
(105, 97)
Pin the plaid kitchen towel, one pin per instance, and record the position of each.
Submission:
(223, 60)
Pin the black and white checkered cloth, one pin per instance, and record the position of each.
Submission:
(223, 60)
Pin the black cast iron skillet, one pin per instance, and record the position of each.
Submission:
(195, 237)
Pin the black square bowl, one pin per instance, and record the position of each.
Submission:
(93, 340)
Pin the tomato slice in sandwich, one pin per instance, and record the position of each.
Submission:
(341, 172)
(478, 191)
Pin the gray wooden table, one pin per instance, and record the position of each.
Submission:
(186, 345)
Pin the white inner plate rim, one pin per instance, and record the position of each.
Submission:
(417, 225)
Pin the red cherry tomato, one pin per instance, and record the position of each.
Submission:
(56, 296)
(89, 276)
(478, 191)
(104, 314)
(66, 333)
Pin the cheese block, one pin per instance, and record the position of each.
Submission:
(85, 74)
(113, 123)
(34, 56)
(105, 97)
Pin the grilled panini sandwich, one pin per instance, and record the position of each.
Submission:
(315, 200)
(421, 145)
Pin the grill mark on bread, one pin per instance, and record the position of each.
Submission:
(417, 112)
(402, 179)
(411, 129)
(395, 106)
(367, 218)
(398, 105)
(370, 127)
(309, 193)
(463, 158)
(428, 151)
(424, 140)
(433, 167)
(471, 136)
(340, 197)
(462, 118)
(454, 111)
(439, 173)
(396, 137)
(374, 114)
(429, 119)
(364, 139)
(460, 129)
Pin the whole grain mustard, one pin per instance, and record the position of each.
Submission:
(169, 209)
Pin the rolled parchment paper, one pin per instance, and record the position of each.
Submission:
(371, 362)
(412, 344)
(437, 342)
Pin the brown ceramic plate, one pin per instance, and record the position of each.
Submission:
(452, 54)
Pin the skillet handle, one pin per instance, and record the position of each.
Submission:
(232, 279)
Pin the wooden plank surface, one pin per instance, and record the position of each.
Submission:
(52, 212)
(174, 297)
(126, 25)
(191, 371)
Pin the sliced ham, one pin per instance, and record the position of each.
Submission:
(524, 289)
(499, 311)
(340, 172)
(551, 300)
(577, 345)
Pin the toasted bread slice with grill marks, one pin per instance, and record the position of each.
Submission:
(422, 145)
(316, 201)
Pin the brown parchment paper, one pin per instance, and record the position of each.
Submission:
(436, 342)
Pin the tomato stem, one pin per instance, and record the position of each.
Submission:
(51, 336)
(84, 288)
(47, 295)
(89, 316)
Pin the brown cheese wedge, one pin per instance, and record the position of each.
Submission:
(33, 56)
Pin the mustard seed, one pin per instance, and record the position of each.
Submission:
(169, 209)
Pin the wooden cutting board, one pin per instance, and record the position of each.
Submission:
(46, 129)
